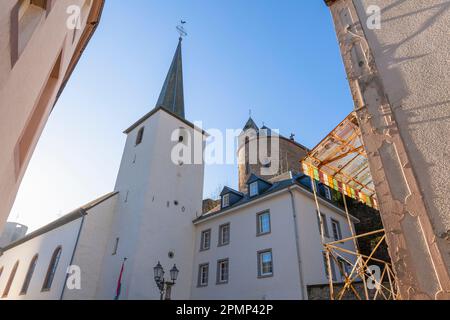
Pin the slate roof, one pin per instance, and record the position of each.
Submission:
(300, 180)
(74, 215)
(226, 190)
(250, 125)
(172, 95)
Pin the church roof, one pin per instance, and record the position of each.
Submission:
(250, 125)
(74, 215)
(172, 95)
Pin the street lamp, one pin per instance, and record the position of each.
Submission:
(163, 285)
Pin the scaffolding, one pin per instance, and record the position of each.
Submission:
(339, 161)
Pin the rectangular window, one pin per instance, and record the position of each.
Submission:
(253, 189)
(225, 200)
(263, 223)
(140, 136)
(336, 226)
(325, 265)
(343, 268)
(222, 271)
(203, 273)
(205, 240)
(265, 263)
(325, 225)
(327, 193)
(224, 234)
(116, 246)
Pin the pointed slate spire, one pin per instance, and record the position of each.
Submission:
(250, 125)
(172, 96)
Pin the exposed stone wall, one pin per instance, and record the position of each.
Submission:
(290, 154)
(370, 220)
(322, 292)
(209, 204)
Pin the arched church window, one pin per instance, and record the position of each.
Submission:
(52, 269)
(140, 136)
(10, 280)
(29, 275)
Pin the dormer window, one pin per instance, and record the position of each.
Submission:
(327, 193)
(253, 189)
(225, 200)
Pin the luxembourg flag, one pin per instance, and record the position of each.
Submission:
(119, 282)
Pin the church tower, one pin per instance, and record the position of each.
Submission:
(159, 198)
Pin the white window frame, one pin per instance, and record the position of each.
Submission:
(344, 265)
(226, 200)
(259, 225)
(201, 272)
(203, 246)
(253, 189)
(338, 234)
(220, 273)
(325, 265)
(325, 225)
(262, 274)
(222, 242)
(327, 192)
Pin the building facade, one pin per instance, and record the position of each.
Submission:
(41, 42)
(261, 244)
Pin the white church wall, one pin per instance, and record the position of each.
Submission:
(158, 201)
(131, 182)
(44, 245)
(93, 244)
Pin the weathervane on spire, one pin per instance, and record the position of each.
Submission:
(181, 30)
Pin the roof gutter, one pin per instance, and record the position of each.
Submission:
(292, 187)
(73, 253)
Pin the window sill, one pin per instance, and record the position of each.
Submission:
(263, 234)
(220, 283)
(265, 276)
(223, 244)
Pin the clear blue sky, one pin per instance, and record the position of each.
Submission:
(278, 58)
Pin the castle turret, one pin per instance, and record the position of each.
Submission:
(249, 161)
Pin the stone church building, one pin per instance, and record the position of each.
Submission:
(262, 242)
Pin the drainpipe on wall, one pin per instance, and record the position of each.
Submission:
(83, 215)
(297, 246)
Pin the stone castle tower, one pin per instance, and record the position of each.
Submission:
(290, 153)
